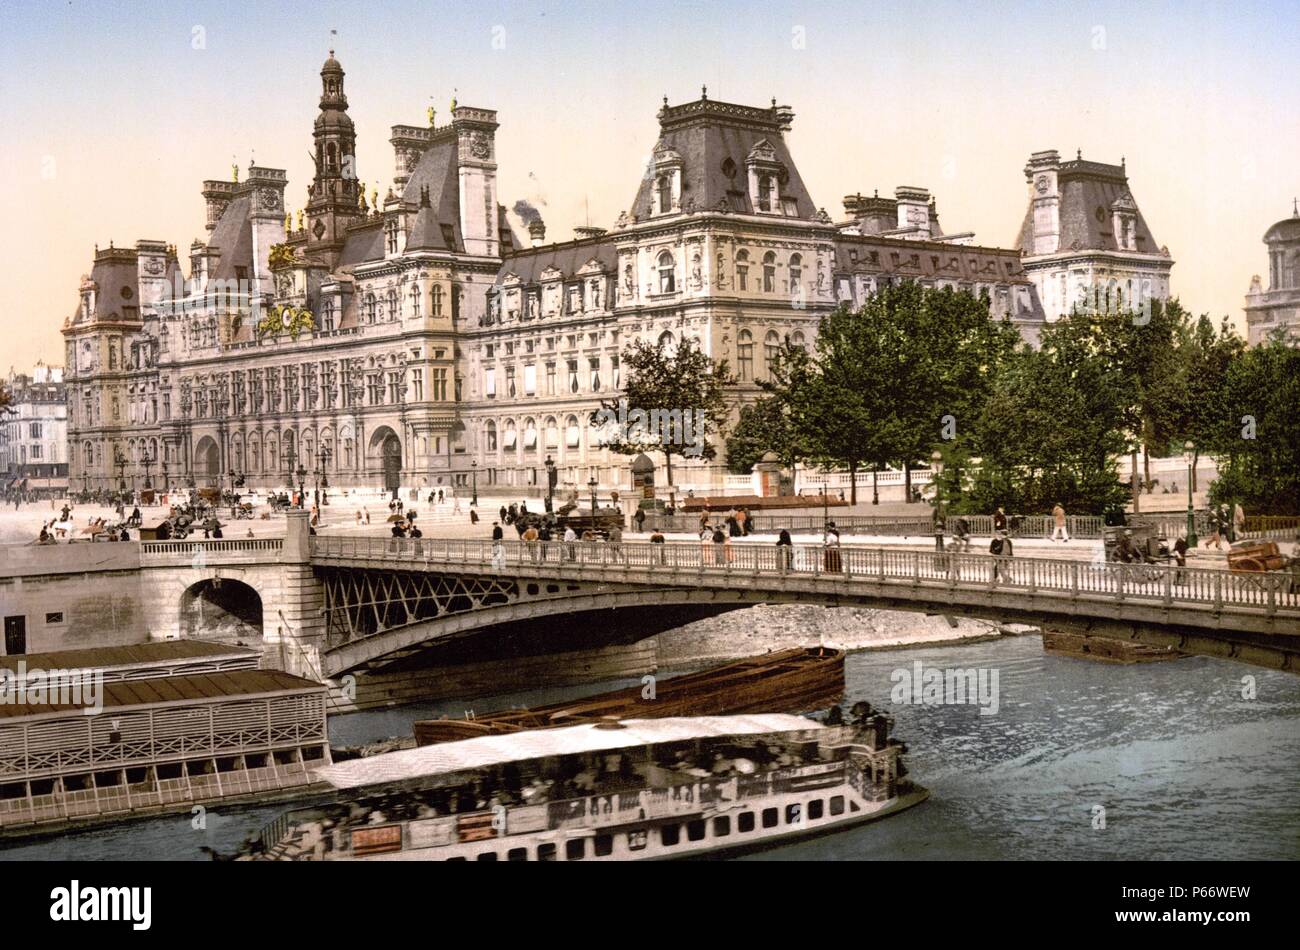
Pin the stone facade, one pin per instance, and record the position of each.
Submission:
(412, 340)
(1084, 241)
(1277, 309)
(34, 432)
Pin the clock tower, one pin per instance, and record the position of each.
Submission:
(334, 201)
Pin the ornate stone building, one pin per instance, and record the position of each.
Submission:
(1084, 241)
(414, 341)
(1277, 310)
(33, 432)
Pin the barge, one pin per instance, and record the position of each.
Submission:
(630, 790)
(88, 736)
(794, 680)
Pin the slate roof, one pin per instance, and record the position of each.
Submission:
(1085, 188)
(933, 260)
(438, 171)
(569, 258)
(706, 134)
(114, 270)
(233, 237)
(363, 243)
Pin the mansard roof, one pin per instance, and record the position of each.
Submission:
(438, 170)
(233, 237)
(715, 140)
(426, 232)
(927, 260)
(1088, 191)
(364, 242)
(568, 258)
(117, 283)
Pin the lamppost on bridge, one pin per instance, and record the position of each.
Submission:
(473, 471)
(936, 466)
(302, 482)
(1189, 453)
(550, 484)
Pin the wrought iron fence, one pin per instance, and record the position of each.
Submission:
(753, 565)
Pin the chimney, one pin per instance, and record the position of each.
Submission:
(853, 205)
(913, 208)
(537, 232)
(583, 233)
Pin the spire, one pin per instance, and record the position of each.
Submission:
(1295, 207)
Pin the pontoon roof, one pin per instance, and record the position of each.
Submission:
(448, 757)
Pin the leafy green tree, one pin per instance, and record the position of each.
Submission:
(674, 402)
(762, 427)
(1255, 440)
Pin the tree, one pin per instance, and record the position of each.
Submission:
(1255, 440)
(762, 427)
(674, 402)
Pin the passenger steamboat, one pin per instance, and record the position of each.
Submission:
(615, 790)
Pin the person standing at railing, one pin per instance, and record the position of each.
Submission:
(498, 556)
(784, 551)
(832, 561)
(1238, 522)
(570, 543)
(657, 537)
(530, 538)
(1058, 517)
(616, 543)
(1000, 548)
(1180, 554)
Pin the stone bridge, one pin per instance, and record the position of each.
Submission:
(389, 597)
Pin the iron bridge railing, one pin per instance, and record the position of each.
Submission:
(765, 566)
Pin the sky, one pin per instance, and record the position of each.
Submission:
(112, 114)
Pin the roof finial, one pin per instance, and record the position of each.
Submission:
(1295, 207)
(704, 92)
(665, 102)
(1078, 154)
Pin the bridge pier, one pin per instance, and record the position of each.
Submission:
(294, 628)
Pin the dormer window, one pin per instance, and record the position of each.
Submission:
(390, 236)
(667, 275)
(764, 192)
(667, 194)
(764, 178)
(664, 187)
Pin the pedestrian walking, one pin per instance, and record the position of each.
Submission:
(1238, 522)
(1180, 555)
(497, 533)
(1215, 539)
(498, 556)
(742, 518)
(1000, 548)
(1058, 517)
(639, 518)
(473, 516)
(999, 521)
(616, 543)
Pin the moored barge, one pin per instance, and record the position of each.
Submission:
(631, 790)
(794, 680)
(119, 732)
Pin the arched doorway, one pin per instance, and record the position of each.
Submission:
(388, 447)
(207, 461)
(223, 609)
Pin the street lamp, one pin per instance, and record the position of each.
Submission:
(936, 466)
(473, 471)
(120, 461)
(591, 484)
(1189, 453)
(146, 462)
(550, 484)
(166, 485)
(322, 476)
(302, 481)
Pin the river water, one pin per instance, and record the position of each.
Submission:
(1169, 757)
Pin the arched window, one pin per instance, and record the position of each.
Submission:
(573, 435)
(745, 355)
(511, 436)
(796, 275)
(552, 433)
(415, 301)
(742, 270)
(771, 349)
(667, 341)
(392, 304)
(89, 451)
(798, 340)
(331, 157)
(530, 435)
(769, 273)
(491, 434)
(370, 308)
(664, 187)
(667, 275)
(437, 300)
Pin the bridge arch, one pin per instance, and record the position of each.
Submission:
(221, 608)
